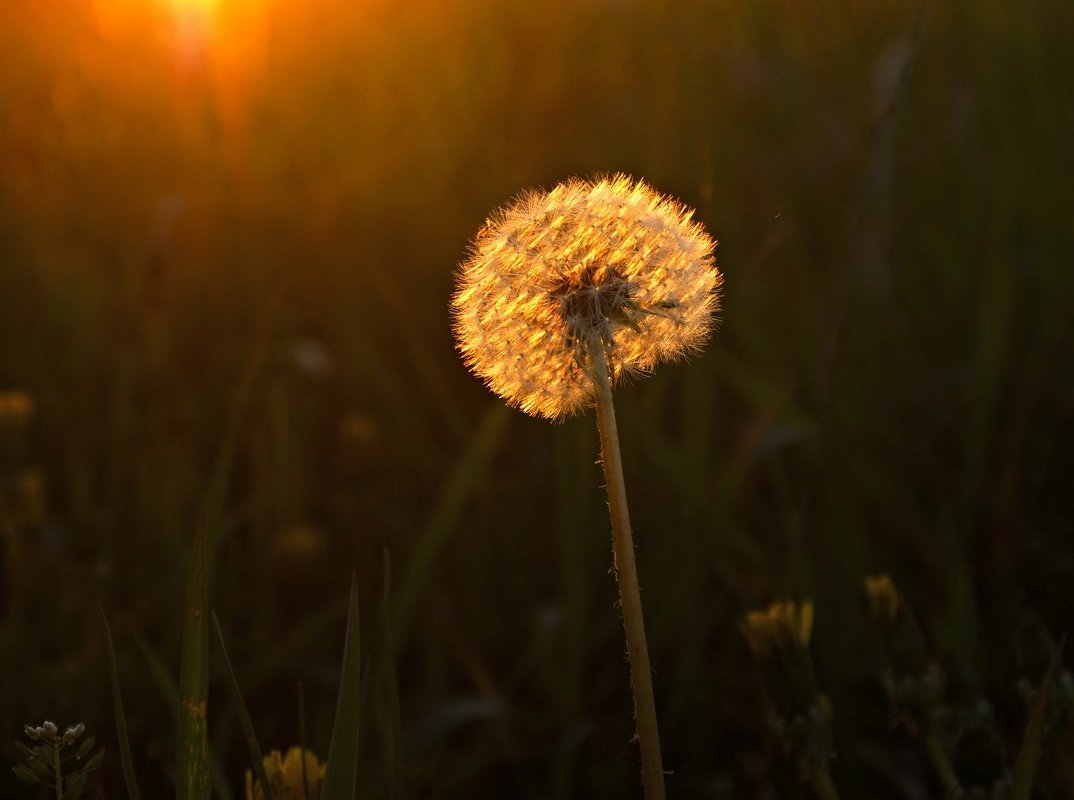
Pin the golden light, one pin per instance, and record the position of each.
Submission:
(194, 23)
(197, 32)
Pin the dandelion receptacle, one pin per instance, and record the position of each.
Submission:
(564, 293)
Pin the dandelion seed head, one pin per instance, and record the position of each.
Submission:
(609, 263)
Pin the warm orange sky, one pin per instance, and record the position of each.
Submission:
(197, 31)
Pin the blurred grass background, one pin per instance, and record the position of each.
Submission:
(279, 205)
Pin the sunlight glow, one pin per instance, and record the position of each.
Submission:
(197, 32)
(194, 22)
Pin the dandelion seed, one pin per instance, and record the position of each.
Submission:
(610, 262)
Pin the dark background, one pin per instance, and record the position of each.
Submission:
(250, 238)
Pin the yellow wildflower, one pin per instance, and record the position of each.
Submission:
(285, 775)
(298, 543)
(359, 429)
(29, 496)
(782, 626)
(883, 597)
(16, 409)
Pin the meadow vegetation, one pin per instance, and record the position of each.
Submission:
(225, 277)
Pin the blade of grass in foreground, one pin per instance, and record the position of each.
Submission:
(121, 717)
(164, 681)
(342, 769)
(244, 716)
(192, 734)
(1026, 769)
(302, 741)
(390, 687)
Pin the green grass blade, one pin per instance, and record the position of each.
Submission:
(302, 740)
(341, 771)
(390, 690)
(274, 662)
(469, 471)
(192, 732)
(122, 736)
(162, 679)
(1025, 770)
(244, 716)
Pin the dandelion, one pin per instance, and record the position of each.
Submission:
(564, 293)
(24, 498)
(883, 598)
(915, 682)
(610, 262)
(296, 776)
(801, 716)
(782, 626)
(298, 543)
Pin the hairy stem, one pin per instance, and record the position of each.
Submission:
(626, 573)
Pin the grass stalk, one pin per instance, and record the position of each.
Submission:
(823, 785)
(1025, 770)
(302, 740)
(57, 770)
(341, 769)
(626, 573)
(257, 760)
(941, 763)
(192, 733)
(122, 735)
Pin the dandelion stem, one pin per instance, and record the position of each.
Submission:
(626, 573)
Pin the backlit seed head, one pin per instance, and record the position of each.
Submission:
(607, 263)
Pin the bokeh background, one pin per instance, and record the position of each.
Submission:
(230, 227)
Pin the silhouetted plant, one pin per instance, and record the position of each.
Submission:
(800, 716)
(57, 760)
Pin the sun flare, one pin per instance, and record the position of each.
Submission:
(194, 24)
